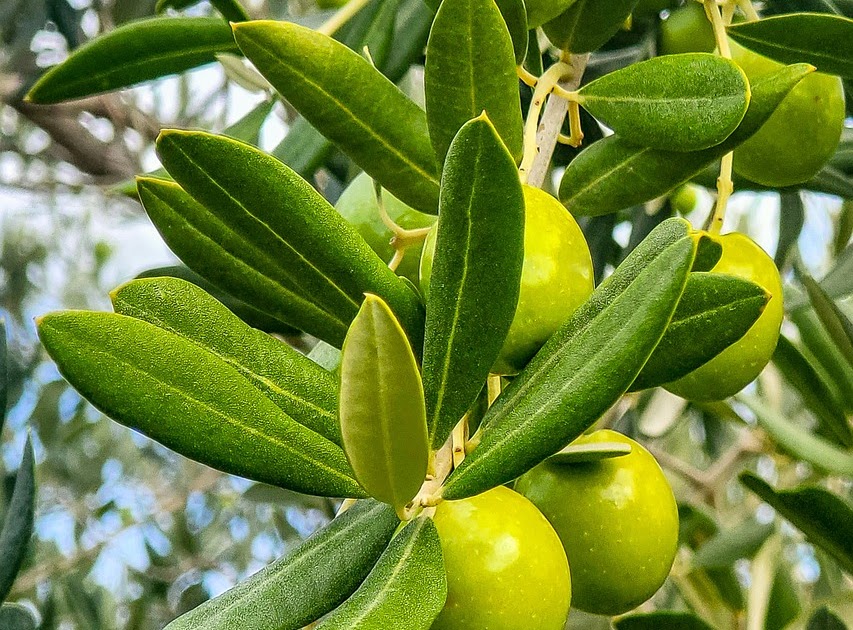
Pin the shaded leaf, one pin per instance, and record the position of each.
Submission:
(470, 306)
(674, 102)
(588, 24)
(4, 374)
(190, 400)
(373, 28)
(825, 41)
(585, 367)
(133, 53)
(823, 619)
(18, 523)
(408, 583)
(591, 452)
(792, 216)
(383, 418)
(837, 324)
(515, 15)
(310, 581)
(730, 545)
(349, 102)
(825, 519)
(661, 620)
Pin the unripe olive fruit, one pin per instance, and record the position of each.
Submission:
(739, 364)
(686, 30)
(800, 136)
(617, 519)
(506, 568)
(556, 278)
(357, 204)
(684, 199)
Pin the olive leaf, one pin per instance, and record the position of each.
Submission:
(301, 388)
(382, 412)
(836, 323)
(171, 389)
(588, 24)
(825, 519)
(515, 15)
(675, 102)
(408, 583)
(17, 527)
(371, 28)
(729, 545)
(4, 374)
(590, 452)
(133, 53)
(713, 313)
(304, 585)
(585, 367)
(16, 617)
(284, 229)
(669, 619)
(349, 102)
(476, 273)
(460, 81)
(821, 39)
(824, 619)
(613, 174)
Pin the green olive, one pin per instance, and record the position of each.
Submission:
(800, 136)
(506, 568)
(617, 519)
(686, 30)
(357, 204)
(557, 277)
(739, 364)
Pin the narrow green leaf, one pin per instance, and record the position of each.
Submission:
(674, 102)
(661, 620)
(383, 418)
(133, 53)
(301, 241)
(588, 24)
(823, 40)
(4, 375)
(818, 398)
(713, 313)
(823, 619)
(585, 367)
(825, 519)
(349, 102)
(18, 523)
(592, 452)
(514, 14)
(172, 390)
(825, 356)
(15, 617)
(839, 327)
(310, 581)
(613, 174)
(798, 441)
(471, 305)
(411, 32)
(301, 388)
(460, 81)
(541, 11)
(792, 218)
(408, 583)
(373, 28)
(730, 545)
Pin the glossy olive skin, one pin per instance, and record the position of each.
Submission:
(617, 519)
(686, 30)
(357, 204)
(739, 364)
(556, 278)
(800, 136)
(506, 568)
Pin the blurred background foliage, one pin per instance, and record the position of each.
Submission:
(129, 535)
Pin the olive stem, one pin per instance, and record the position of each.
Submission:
(443, 465)
(748, 10)
(544, 86)
(344, 15)
(527, 77)
(458, 438)
(493, 387)
(402, 238)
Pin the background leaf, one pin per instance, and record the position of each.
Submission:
(18, 523)
(461, 82)
(383, 418)
(588, 24)
(308, 582)
(476, 273)
(4, 374)
(372, 27)
(133, 53)
(661, 620)
(823, 619)
(15, 617)
(408, 583)
(729, 545)
(837, 324)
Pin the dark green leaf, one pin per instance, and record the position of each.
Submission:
(301, 388)
(383, 418)
(674, 102)
(172, 390)
(137, 52)
(823, 619)
(15, 617)
(591, 452)
(839, 327)
(470, 306)
(825, 519)
(730, 545)
(461, 82)
(825, 41)
(351, 103)
(18, 523)
(515, 15)
(373, 28)
(4, 375)
(792, 216)
(613, 174)
(816, 394)
(307, 583)
(541, 11)
(661, 620)
(783, 604)
(713, 313)
(588, 24)
(414, 19)
(585, 367)
(408, 583)
(320, 266)
(825, 356)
